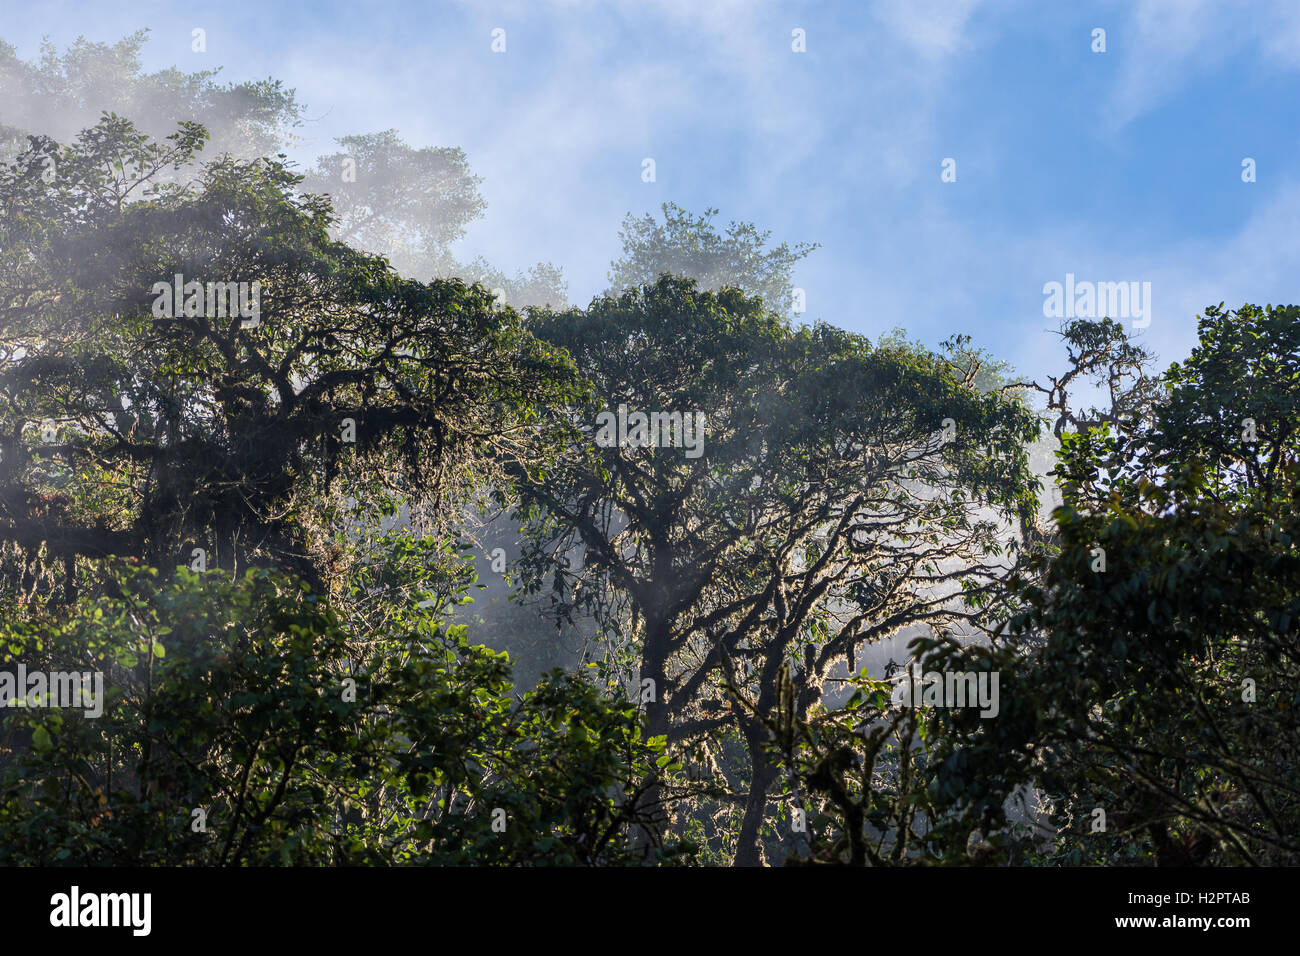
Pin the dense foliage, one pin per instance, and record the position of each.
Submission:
(246, 723)
(255, 527)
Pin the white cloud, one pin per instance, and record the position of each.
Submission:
(932, 28)
(1162, 44)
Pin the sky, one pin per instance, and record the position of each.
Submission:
(1117, 166)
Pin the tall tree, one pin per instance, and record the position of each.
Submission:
(58, 95)
(406, 204)
(691, 246)
(1148, 679)
(840, 494)
(141, 421)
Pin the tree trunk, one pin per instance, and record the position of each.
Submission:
(654, 667)
(749, 848)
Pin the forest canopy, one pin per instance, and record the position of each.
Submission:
(247, 506)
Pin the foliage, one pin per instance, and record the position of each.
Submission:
(233, 698)
(690, 246)
(542, 285)
(312, 695)
(824, 513)
(211, 432)
(58, 95)
(1148, 683)
(406, 204)
(1235, 401)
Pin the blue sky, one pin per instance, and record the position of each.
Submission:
(1115, 166)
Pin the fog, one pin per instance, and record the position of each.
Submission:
(411, 204)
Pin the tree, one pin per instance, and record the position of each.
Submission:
(542, 285)
(408, 205)
(1165, 686)
(1235, 402)
(144, 422)
(60, 95)
(390, 199)
(857, 774)
(1100, 352)
(840, 494)
(690, 246)
(1148, 679)
(244, 723)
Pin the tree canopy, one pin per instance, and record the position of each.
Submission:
(133, 434)
(842, 494)
(690, 245)
(248, 419)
